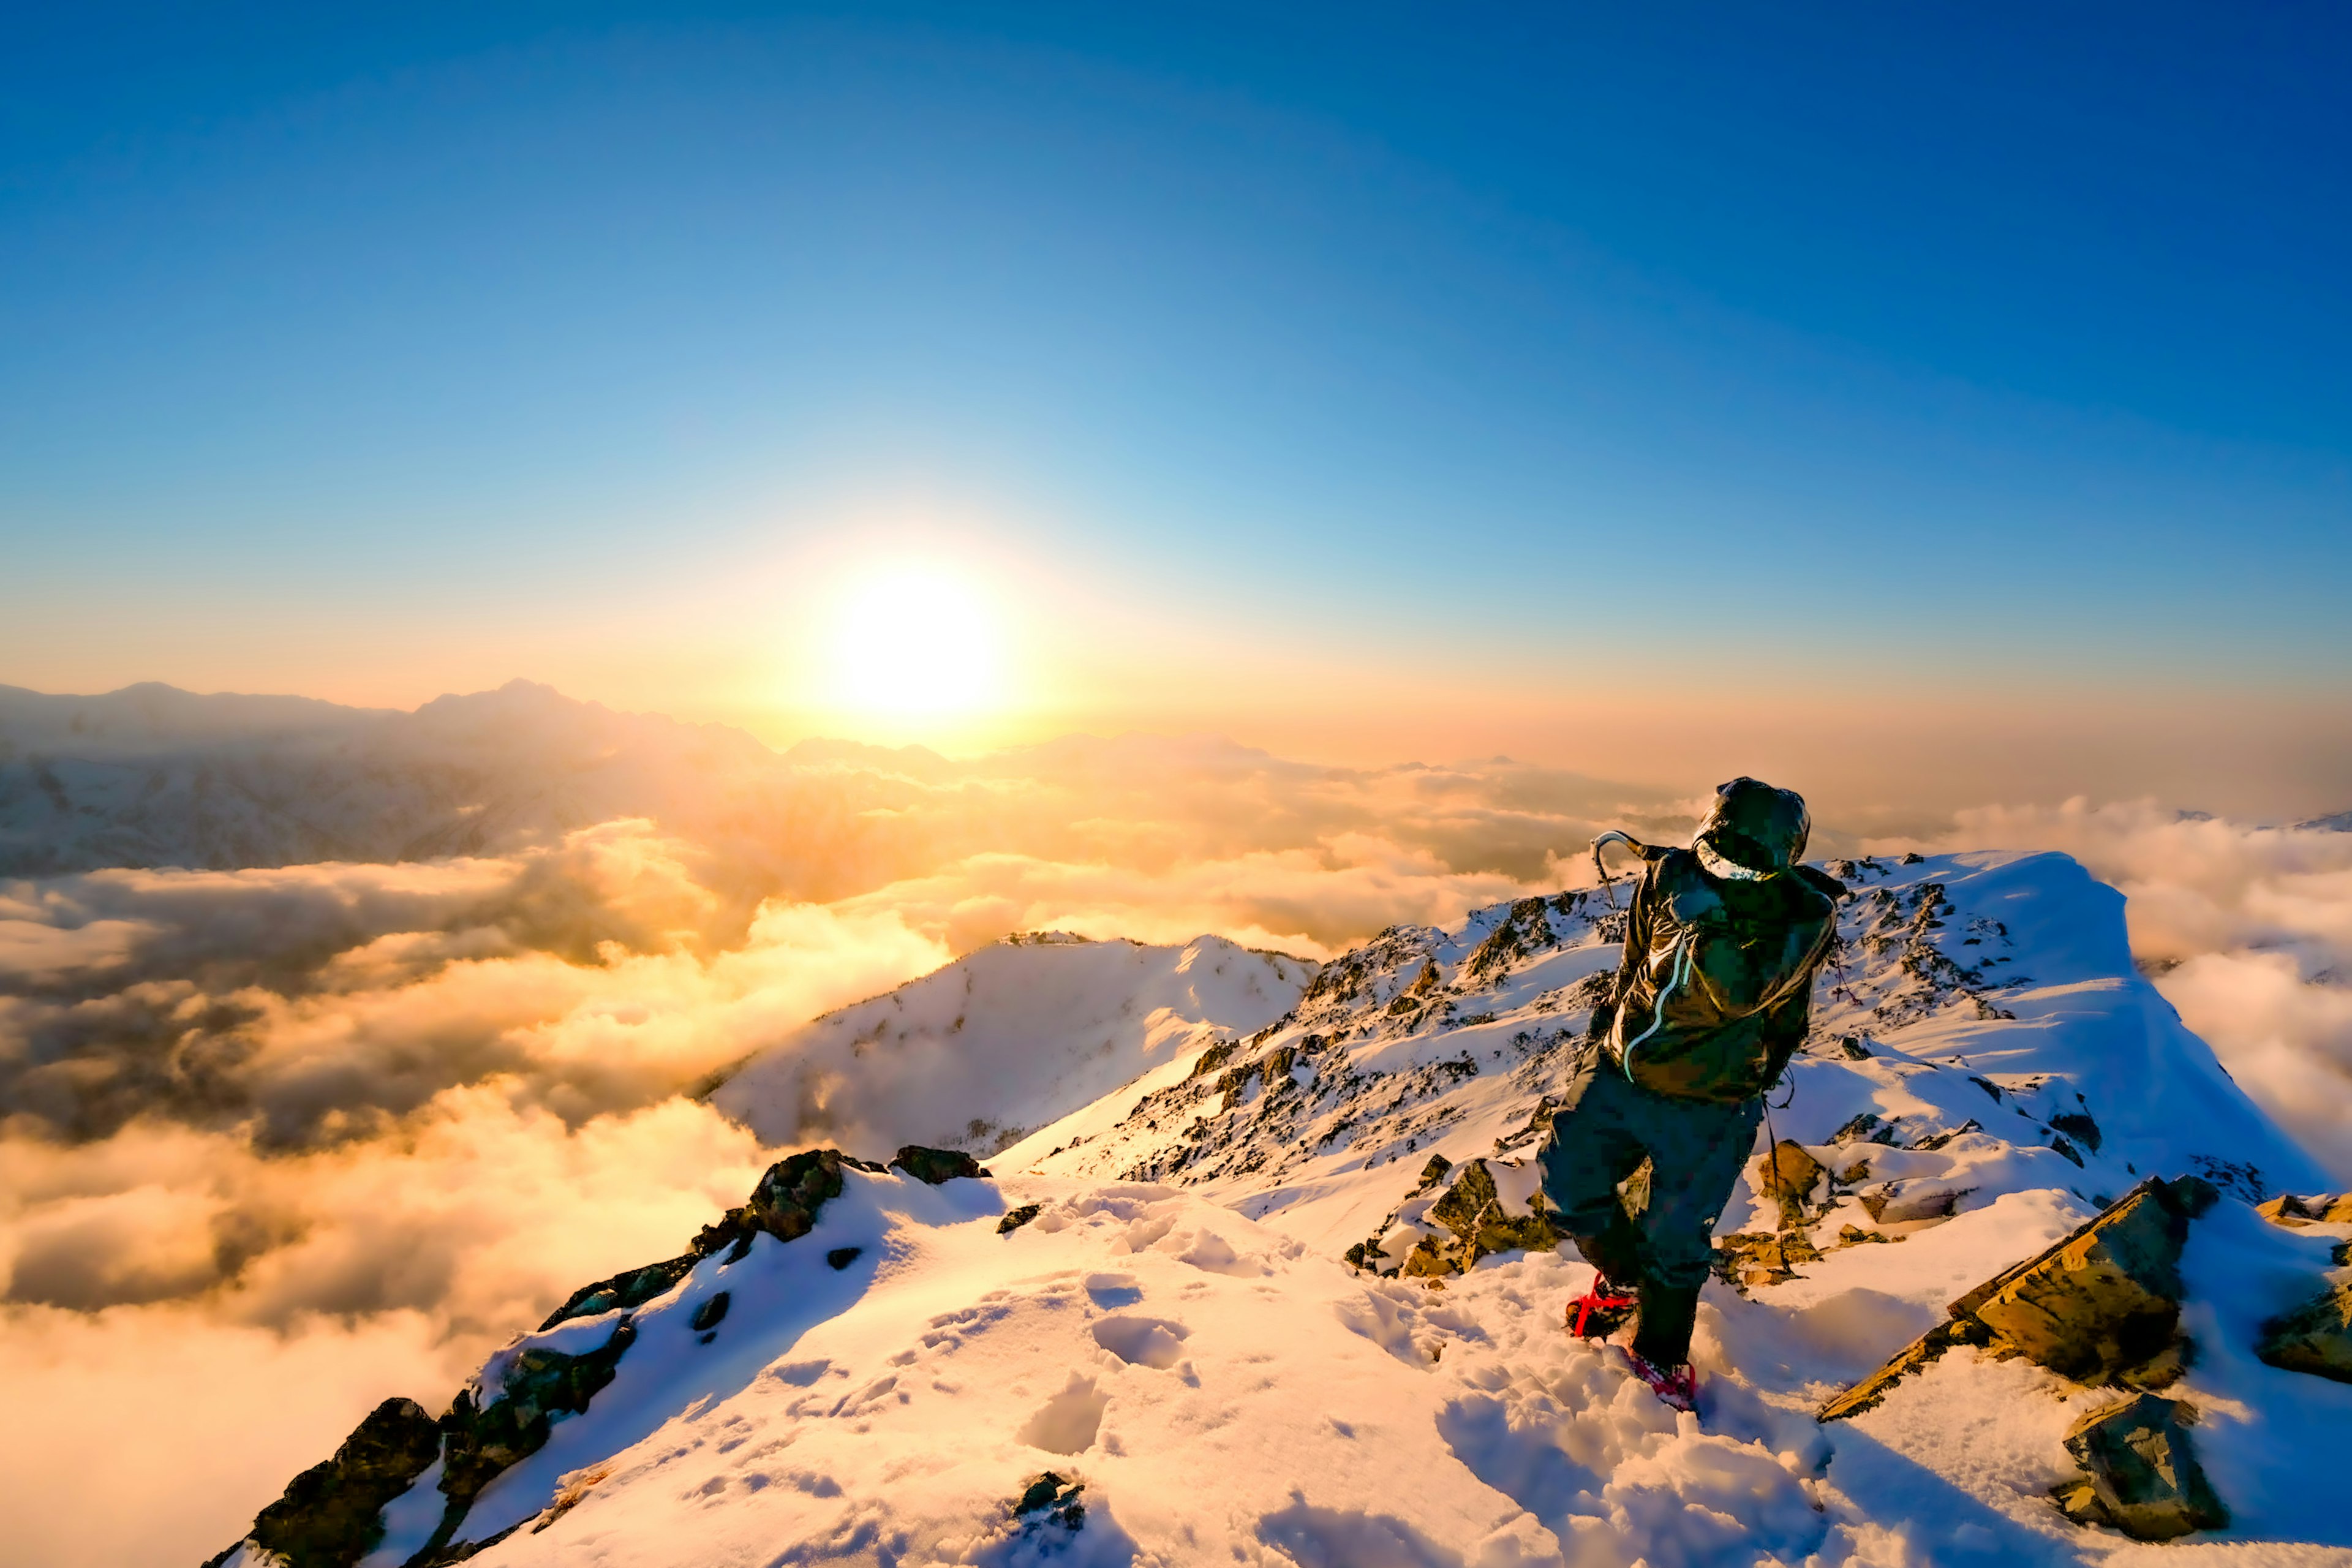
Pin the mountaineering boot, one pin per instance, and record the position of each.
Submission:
(1676, 1386)
(1601, 1311)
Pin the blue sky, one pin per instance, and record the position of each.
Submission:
(1724, 339)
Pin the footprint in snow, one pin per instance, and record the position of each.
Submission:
(1112, 1291)
(1154, 1342)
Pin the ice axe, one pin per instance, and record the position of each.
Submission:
(1646, 851)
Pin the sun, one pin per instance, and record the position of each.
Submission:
(915, 642)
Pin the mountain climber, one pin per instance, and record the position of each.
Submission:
(1710, 1002)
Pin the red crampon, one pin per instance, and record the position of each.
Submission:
(1601, 1311)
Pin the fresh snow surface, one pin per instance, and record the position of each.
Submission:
(1175, 1327)
(978, 1054)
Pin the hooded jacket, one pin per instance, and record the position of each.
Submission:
(1714, 993)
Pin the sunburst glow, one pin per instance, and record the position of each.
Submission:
(917, 642)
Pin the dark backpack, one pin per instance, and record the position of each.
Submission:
(1714, 993)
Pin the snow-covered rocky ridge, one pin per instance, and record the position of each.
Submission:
(1139, 1341)
(1019, 1034)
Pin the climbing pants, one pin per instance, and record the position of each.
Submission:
(1695, 1149)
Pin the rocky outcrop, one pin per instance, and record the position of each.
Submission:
(2141, 1474)
(1468, 1221)
(489, 1430)
(932, 1166)
(329, 1516)
(2102, 1306)
(1051, 1502)
(2316, 1337)
(626, 1290)
(2295, 1212)
(2106, 1301)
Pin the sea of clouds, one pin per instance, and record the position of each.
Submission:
(277, 1143)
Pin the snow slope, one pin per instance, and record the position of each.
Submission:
(1172, 1331)
(978, 1054)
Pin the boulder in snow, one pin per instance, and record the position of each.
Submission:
(2103, 1305)
(932, 1166)
(2316, 1337)
(2141, 1474)
(2107, 1299)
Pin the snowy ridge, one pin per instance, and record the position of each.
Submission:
(1137, 1344)
(978, 1054)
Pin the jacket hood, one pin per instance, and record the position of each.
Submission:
(1755, 827)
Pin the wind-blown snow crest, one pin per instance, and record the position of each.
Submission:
(978, 1054)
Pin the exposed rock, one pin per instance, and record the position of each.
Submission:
(1755, 1257)
(1433, 1173)
(2142, 1474)
(2316, 1337)
(932, 1166)
(1015, 1219)
(1893, 1204)
(2101, 1306)
(841, 1258)
(328, 1517)
(2105, 1300)
(711, 1314)
(785, 1203)
(1789, 1175)
(488, 1431)
(1051, 1501)
(625, 1291)
(1871, 1390)
(1473, 1212)
(2325, 1209)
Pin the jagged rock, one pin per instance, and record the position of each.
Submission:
(1871, 1390)
(2107, 1299)
(785, 1203)
(1473, 1210)
(841, 1258)
(625, 1291)
(1752, 1259)
(1051, 1499)
(1854, 1236)
(1891, 1205)
(485, 1435)
(1015, 1219)
(2103, 1305)
(2292, 1211)
(1789, 1175)
(711, 1314)
(932, 1166)
(2143, 1476)
(1429, 1259)
(328, 1517)
(1433, 1173)
(2316, 1337)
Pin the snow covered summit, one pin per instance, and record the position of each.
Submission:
(1142, 1340)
